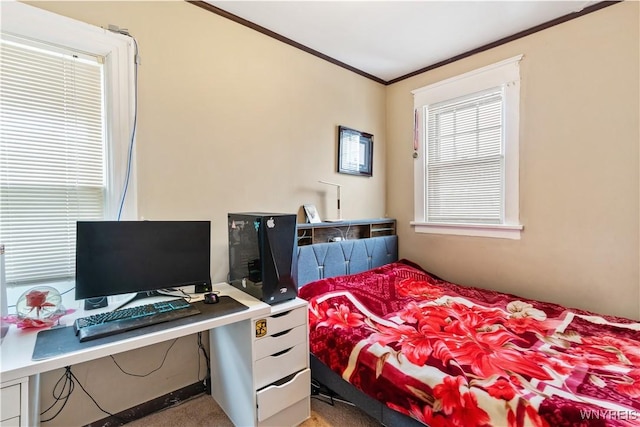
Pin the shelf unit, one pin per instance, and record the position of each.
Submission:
(323, 232)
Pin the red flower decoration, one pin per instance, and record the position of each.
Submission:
(521, 325)
(38, 300)
(412, 313)
(632, 386)
(414, 345)
(418, 289)
(449, 393)
(426, 415)
(535, 417)
(470, 414)
(342, 317)
(461, 407)
(317, 312)
(604, 350)
(490, 353)
(502, 389)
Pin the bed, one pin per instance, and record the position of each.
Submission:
(410, 348)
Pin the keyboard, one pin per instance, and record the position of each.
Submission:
(118, 321)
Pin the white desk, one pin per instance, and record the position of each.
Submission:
(17, 368)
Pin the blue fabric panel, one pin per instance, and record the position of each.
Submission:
(360, 260)
(312, 269)
(324, 260)
(336, 261)
(382, 251)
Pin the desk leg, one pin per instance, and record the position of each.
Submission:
(33, 418)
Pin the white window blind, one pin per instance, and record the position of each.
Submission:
(52, 161)
(465, 161)
(466, 151)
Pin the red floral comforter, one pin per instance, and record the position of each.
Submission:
(449, 355)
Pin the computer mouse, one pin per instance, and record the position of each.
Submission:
(211, 298)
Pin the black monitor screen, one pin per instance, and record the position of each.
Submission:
(119, 257)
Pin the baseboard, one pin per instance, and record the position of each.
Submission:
(155, 405)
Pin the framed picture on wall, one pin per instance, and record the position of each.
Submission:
(355, 152)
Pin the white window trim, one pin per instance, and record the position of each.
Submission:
(21, 20)
(506, 73)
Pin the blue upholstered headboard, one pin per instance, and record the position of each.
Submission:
(323, 260)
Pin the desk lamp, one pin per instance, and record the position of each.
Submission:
(339, 214)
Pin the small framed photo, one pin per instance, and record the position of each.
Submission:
(312, 214)
(355, 152)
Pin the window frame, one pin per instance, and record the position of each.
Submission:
(505, 73)
(30, 22)
(41, 26)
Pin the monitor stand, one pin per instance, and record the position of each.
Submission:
(140, 295)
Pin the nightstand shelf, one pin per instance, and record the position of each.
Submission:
(324, 232)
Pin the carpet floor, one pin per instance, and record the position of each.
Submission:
(203, 411)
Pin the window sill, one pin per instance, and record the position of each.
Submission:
(498, 231)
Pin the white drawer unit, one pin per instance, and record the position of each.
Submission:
(260, 372)
(14, 398)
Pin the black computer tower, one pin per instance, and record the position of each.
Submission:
(262, 251)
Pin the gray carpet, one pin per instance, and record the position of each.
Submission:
(203, 411)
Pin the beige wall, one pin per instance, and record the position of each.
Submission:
(579, 139)
(229, 121)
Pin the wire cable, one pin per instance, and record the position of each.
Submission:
(60, 395)
(67, 291)
(176, 292)
(91, 397)
(326, 395)
(65, 385)
(206, 358)
(154, 370)
(135, 126)
(68, 382)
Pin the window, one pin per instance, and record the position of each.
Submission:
(65, 132)
(466, 170)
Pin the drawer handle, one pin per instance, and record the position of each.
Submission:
(280, 353)
(279, 334)
(282, 381)
(284, 313)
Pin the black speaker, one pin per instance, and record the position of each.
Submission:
(262, 247)
(203, 288)
(93, 303)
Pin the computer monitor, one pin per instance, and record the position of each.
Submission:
(120, 257)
